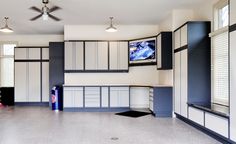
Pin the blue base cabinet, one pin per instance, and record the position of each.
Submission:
(160, 101)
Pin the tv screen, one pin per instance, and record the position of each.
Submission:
(142, 51)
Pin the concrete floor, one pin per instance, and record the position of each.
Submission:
(39, 125)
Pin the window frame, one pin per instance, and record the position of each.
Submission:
(217, 30)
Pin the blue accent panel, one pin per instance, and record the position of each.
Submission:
(162, 101)
(32, 104)
(205, 130)
(199, 62)
(96, 109)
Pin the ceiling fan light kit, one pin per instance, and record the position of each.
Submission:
(45, 12)
(6, 28)
(111, 28)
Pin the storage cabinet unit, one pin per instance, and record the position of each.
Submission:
(74, 55)
(96, 55)
(232, 52)
(118, 56)
(82, 98)
(191, 66)
(164, 51)
(31, 75)
(160, 101)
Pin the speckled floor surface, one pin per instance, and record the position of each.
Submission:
(39, 125)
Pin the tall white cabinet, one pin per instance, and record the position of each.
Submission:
(232, 70)
(31, 74)
(191, 66)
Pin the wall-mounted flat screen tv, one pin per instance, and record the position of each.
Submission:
(142, 51)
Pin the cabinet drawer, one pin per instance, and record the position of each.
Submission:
(196, 115)
(217, 124)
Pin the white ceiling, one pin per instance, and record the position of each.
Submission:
(92, 12)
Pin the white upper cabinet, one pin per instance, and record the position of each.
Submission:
(177, 39)
(123, 55)
(102, 56)
(184, 36)
(79, 55)
(45, 53)
(232, 12)
(113, 55)
(118, 55)
(21, 53)
(34, 53)
(74, 56)
(91, 55)
(68, 56)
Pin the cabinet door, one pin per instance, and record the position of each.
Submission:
(68, 98)
(232, 86)
(216, 124)
(45, 82)
(102, 61)
(184, 35)
(21, 53)
(79, 56)
(184, 82)
(113, 55)
(21, 82)
(177, 39)
(177, 81)
(196, 115)
(78, 98)
(68, 55)
(45, 53)
(232, 12)
(124, 98)
(91, 55)
(34, 53)
(159, 47)
(34, 79)
(114, 98)
(123, 56)
(105, 95)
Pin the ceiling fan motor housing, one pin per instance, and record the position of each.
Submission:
(45, 1)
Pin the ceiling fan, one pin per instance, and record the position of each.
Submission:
(45, 12)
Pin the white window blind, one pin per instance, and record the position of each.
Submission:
(220, 65)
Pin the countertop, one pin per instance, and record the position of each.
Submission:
(118, 85)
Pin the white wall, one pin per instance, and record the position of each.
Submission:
(97, 32)
(145, 75)
(31, 40)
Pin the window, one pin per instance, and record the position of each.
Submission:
(219, 54)
(7, 64)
